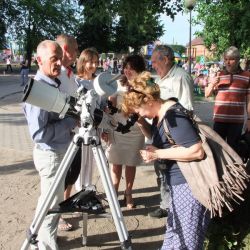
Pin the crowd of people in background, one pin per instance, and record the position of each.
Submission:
(114, 64)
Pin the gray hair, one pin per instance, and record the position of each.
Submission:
(232, 52)
(45, 45)
(165, 51)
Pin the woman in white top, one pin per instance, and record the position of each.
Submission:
(86, 68)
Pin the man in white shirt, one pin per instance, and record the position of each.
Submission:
(174, 82)
(70, 50)
(69, 86)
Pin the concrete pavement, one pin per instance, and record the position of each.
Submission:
(13, 126)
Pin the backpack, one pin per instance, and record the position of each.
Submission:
(219, 179)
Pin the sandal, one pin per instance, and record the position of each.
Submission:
(63, 225)
(128, 200)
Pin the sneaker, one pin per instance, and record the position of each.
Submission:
(159, 213)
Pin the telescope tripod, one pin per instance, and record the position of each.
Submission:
(102, 164)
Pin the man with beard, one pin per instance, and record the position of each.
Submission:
(232, 89)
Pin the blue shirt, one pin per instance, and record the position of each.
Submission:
(47, 130)
(182, 132)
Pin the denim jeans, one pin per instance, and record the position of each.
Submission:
(24, 76)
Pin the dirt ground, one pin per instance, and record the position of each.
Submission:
(20, 189)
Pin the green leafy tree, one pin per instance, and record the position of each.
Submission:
(2, 26)
(226, 23)
(31, 21)
(117, 25)
(138, 24)
(2, 33)
(180, 49)
(96, 30)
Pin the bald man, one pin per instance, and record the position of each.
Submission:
(51, 136)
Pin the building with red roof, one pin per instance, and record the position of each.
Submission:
(198, 49)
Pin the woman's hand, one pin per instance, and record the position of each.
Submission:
(176, 153)
(149, 153)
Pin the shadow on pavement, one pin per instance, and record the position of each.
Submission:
(108, 240)
(17, 167)
(13, 119)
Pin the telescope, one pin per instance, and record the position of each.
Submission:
(84, 106)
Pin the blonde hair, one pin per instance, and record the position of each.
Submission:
(143, 89)
(86, 56)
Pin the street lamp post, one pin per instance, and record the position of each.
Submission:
(189, 4)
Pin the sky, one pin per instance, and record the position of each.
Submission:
(177, 31)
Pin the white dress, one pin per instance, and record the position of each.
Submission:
(124, 150)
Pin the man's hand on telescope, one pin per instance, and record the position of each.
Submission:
(105, 136)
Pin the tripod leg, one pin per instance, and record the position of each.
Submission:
(84, 228)
(102, 165)
(40, 215)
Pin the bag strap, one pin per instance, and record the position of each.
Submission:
(167, 133)
(187, 113)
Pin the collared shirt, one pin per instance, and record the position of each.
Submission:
(177, 83)
(47, 130)
(231, 99)
(68, 84)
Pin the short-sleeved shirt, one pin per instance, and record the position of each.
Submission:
(183, 133)
(231, 98)
(177, 83)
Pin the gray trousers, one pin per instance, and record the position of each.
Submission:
(164, 190)
(47, 163)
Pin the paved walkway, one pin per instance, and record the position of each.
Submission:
(20, 187)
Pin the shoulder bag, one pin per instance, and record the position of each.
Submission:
(218, 180)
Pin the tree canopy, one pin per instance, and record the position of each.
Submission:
(31, 21)
(108, 25)
(2, 26)
(117, 25)
(226, 23)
